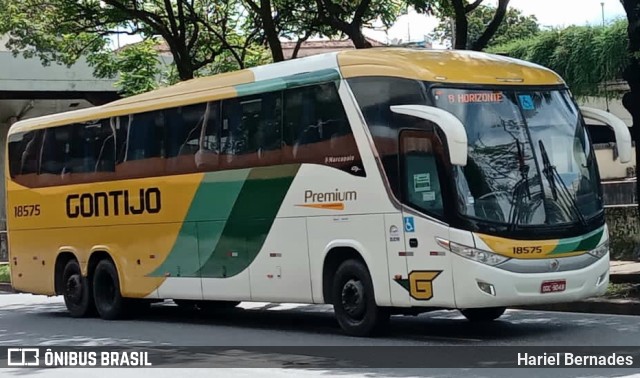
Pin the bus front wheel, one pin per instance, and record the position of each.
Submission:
(354, 301)
(77, 293)
(106, 291)
(483, 314)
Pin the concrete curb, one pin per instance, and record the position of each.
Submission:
(593, 306)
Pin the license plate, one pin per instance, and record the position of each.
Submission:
(553, 286)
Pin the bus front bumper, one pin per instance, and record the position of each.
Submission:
(479, 285)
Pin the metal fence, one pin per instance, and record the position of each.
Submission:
(619, 193)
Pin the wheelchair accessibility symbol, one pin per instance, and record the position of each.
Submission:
(409, 226)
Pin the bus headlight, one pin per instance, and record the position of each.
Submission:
(601, 250)
(478, 255)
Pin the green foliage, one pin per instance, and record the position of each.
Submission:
(198, 32)
(4, 273)
(53, 31)
(585, 56)
(137, 67)
(203, 36)
(514, 26)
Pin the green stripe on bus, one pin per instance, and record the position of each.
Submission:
(250, 220)
(213, 201)
(292, 81)
(580, 243)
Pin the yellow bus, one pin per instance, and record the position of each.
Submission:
(382, 181)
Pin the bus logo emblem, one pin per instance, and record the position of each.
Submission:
(419, 284)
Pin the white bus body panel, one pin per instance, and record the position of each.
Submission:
(281, 269)
(513, 289)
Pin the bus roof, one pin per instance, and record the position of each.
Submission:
(444, 66)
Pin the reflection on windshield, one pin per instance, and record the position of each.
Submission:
(505, 180)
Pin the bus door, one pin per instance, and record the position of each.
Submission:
(429, 280)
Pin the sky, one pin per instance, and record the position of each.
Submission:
(557, 13)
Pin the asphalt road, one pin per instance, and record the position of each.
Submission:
(27, 320)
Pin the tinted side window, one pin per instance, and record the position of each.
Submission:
(56, 148)
(145, 136)
(24, 153)
(103, 141)
(375, 96)
(265, 139)
(141, 147)
(420, 172)
(316, 129)
(251, 131)
(91, 148)
(207, 139)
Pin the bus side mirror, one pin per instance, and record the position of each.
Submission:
(450, 125)
(620, 129)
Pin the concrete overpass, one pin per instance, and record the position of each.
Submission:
(28, 89)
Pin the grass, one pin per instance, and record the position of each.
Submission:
(4, 273)
(623, 291)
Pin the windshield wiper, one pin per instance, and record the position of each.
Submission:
(552, 175)
(520, 190)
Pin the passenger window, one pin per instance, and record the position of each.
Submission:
(175, 131)
(91, 148)
(316, 129)
(56, 147)
(232, 136)
(145, 136)
(24, 153)
(121, 125)
(140, 145)
(205, 135)
(265, 136)
(104, 144)
(251, 131)
(420, 162)
(375, 96)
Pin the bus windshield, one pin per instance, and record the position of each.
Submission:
(529, 158)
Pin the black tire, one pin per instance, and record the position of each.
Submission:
(106, 292)
(354, 302)
(483, 315)
(77, 292)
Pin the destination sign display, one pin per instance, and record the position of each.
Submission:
(460, 97)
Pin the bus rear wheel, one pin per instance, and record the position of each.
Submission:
(77, 294)
(106, 291)
(479, 315)
(354, 302)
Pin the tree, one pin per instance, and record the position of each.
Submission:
(196, 31)
(515, 26)
(299, 20)
(349, 17)
(585, 56)
(460, 11)
(202, 35)
(136, 66)
(291, 19)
